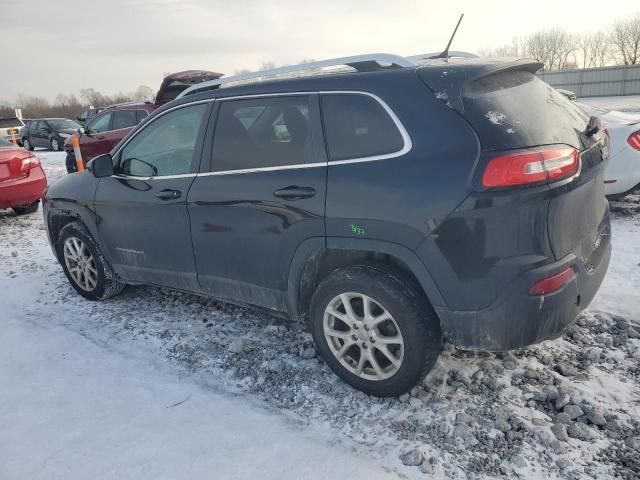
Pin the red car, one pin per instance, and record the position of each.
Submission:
(22, 180)
(112, 124)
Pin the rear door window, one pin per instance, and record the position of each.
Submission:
(124, 119)
(358, 126)
(263, 132)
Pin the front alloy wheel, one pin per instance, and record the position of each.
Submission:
(55, 145)
(363, 336)
(80, 264)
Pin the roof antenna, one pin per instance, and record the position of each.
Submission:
(445, 53)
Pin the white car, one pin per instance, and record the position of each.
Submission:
(623, 172)
(10, 127)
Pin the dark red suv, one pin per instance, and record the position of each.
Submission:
(106, 129)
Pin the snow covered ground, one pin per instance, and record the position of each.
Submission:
(627, 103)
(145, 385)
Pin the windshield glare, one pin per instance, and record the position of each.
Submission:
(63, 124)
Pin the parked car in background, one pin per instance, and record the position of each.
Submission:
(567, 93)
(622, 175)
(388, 206)
(105, 130)
(22, 180)
(11, 127)
(48, 133)
(113, 123)
(88, 114)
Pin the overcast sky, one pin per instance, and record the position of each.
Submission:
(60, 46)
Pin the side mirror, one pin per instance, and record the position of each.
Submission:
(101, 166)
(80, 131)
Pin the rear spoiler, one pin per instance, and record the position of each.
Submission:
(447, 80)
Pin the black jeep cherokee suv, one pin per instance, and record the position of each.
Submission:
(390, 207)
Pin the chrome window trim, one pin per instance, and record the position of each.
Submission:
(407, 143)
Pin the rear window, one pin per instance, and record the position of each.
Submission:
(140, 114)
(358, 126)
(515, 109)
(124, 119)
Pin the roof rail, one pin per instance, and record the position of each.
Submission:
(361, 63)
(424, 57)
(122, 104)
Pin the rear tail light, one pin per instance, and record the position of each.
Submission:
(531, 167)
(27, 164)
(553, 283)
(634, 140)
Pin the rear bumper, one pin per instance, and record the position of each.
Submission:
(517, 319)
(25, 191)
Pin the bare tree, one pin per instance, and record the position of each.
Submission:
(143, 93)
(555, 48)
(625, 37)
(597, 49)
(268, 65)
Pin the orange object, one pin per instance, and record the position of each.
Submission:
(75, 143)
(13, 135)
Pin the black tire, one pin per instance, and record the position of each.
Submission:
(415, 318)
(72, 166)
(57, 146)
(108, 283)
(25, 209)
(26, 144)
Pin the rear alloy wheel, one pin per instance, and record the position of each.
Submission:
(25, 209)
(83, 264)
(375, 330)
(55, 145)
(363, 336)
(26, 144)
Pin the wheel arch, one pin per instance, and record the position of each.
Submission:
(58, 219)
(314, 260)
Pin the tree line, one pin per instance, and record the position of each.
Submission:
(70, 106)
(558, 49)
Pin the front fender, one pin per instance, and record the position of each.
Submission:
(72, 196)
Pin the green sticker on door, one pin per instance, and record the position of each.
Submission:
(357, 230)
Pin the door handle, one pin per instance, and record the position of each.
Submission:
(168, 194)
(295, 193)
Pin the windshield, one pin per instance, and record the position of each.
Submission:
(63, 124)
(10, 122)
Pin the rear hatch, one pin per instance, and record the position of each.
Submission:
(513, 111)
(175, 83)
